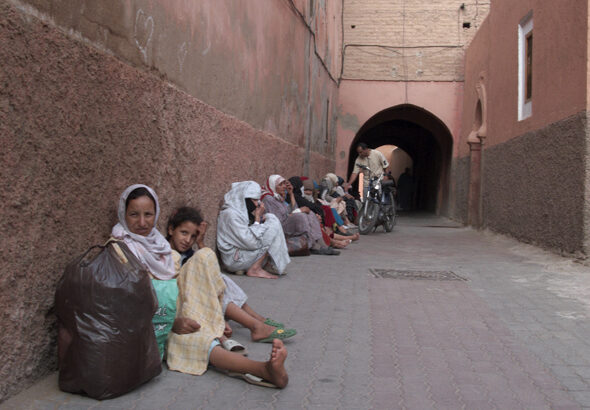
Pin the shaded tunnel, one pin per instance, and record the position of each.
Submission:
(428, 142)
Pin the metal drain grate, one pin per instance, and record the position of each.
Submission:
(416, 274)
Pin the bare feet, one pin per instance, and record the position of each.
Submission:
(271, 268)
(351, 237)
(260, 273)
(340, 244)
(261, 331)
(275, 367)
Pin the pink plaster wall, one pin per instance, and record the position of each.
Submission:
(360, 100)
(588, 59)
(477, 70)
(78, 125)
(248, 59)
(559, 60)
(544, 157)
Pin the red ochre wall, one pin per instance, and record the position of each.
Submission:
(533, 174)
(81, 120)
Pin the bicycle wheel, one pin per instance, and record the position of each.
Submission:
(367, 217)
(390, 215)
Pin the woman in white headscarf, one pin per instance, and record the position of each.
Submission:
(333, 195)
(246, 237)
(330, 188)
(301, 226)
(198, 326)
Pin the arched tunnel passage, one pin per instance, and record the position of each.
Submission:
(428, 142)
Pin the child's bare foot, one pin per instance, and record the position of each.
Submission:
(261, 331)
(260, 273)
(275, 367)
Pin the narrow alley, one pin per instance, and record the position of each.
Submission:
(432, 315)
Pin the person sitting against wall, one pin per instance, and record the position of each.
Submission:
(187, 227)
(310, 193)
(198, 324)
(351, 203)
(247, 239)
(334, 240)
(333, 195)
(301, 226)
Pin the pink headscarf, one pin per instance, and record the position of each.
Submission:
(153, 250)
(270, 189)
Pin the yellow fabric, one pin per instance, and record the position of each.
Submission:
(200, 286)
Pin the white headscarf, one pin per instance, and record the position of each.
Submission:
(152, 250)
(234, 198)
(271, 187)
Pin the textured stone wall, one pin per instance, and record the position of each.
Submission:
(248, 59)
(77, 126)
(408, 40)
(460, 188)
(534, 185)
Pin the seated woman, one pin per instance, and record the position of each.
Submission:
(247, 239)
(310, 196)
(334, 240)
(333, 195)
(187, 227)
(199, 324)
(351, 202)
(301, 226)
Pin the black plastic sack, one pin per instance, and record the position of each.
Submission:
(106, 341)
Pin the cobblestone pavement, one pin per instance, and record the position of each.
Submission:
(514, 335)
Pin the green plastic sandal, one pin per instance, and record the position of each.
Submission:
(273, 323)
(280, 334)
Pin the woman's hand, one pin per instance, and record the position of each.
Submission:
(289, 188)
(184, 325)
(259, 212)
(305, 209)
(201, 230)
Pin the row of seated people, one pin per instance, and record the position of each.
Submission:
(258, 229)
(195, 299)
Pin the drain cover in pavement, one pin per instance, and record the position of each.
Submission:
(416, 274)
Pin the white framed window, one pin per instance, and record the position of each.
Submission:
(525, 67)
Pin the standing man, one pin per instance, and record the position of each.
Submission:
(370, 158)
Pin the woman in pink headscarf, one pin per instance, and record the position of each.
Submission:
(301, 226)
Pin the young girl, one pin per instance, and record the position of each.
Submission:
(185, 228)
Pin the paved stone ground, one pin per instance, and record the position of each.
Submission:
(514, 335)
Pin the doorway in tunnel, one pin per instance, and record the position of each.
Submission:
(414, 137)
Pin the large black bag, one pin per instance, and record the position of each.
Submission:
(106, 341)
